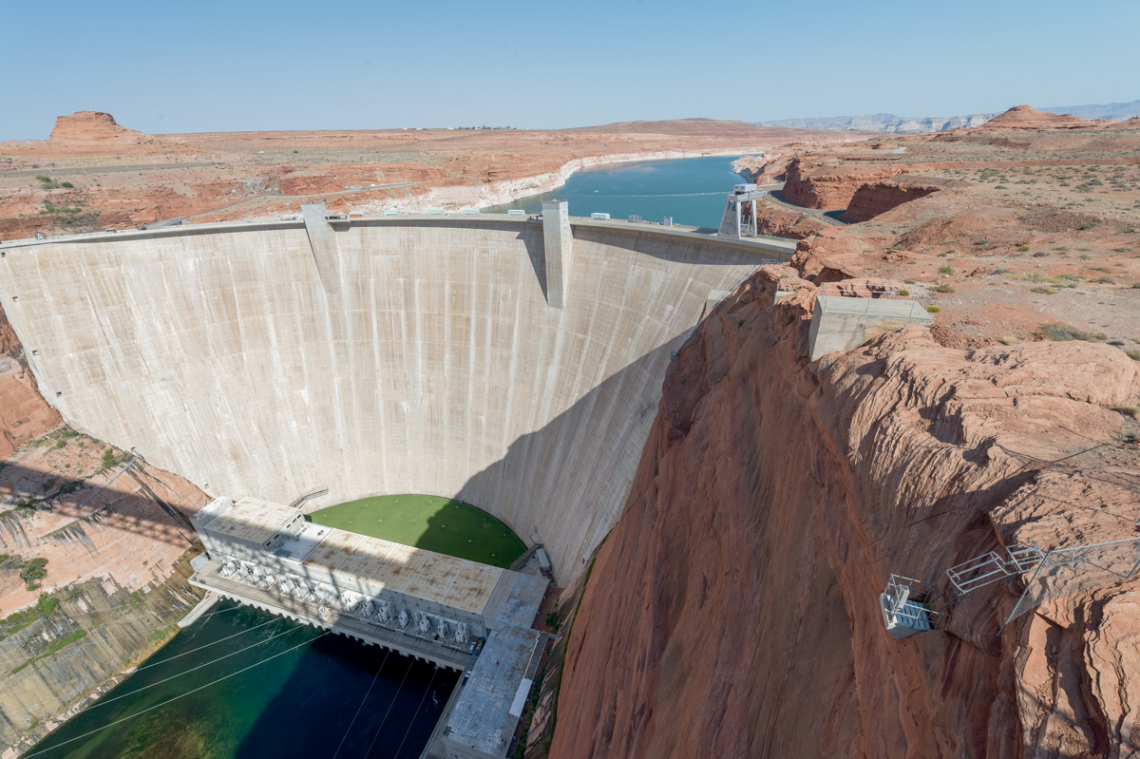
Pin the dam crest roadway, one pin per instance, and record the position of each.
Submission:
(401, 354)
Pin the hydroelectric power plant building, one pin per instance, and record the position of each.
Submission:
(419, 603)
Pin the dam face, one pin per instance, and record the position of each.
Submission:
(435, 365)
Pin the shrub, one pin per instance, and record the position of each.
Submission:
(1134, 355)
(68, 185)
(1136, 285)
(933, 309)
(943, 289)
(1040, 254)
(946, 271)
(1022, 248)
(34, 570)
(1009, 340)
(911, 282)
(1106, 281)
(904, 293)
(1062, 332)
(1131, 411)
(980, 242)
(1044, 290)
(1090, 224)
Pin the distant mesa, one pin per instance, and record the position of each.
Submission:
(675, 127)
(85, 128)
(885, 122)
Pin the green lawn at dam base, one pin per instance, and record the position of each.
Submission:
(430, 522)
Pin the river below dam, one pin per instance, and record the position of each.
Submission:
(289, 691)
(691, 190)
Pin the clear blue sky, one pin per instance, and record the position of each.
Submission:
(253, 65)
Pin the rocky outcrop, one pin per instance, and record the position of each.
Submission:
(92, 129)
(1024, 117)
(875, 198)
(813, 184)
(81, 647)
(24, 415)
(733, 611)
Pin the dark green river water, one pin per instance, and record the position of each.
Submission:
(300, 701)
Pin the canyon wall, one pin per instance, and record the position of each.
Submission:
(101, 627)
(24, 415)
(875, 198)
(435, 366)
(734, 609)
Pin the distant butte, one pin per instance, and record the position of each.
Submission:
(92, 128)
(1027, 117)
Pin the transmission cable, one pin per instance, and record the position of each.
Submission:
(389, 712)
(122, 678)
(93, 641)
(417, 714)
(175, 698)
(192, 669)
(366, 694)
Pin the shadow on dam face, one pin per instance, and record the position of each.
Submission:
(436, 367)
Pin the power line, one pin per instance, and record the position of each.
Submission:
(417, 714)
(192, 669)
(366, 694)
(175, 698)
(389, 712)
(30, 707)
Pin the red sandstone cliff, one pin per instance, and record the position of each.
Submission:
(733, 611)
(875, 198)
(24, 415)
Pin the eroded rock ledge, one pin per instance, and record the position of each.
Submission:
(734, 609)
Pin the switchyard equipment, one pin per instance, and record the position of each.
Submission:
(912, 606)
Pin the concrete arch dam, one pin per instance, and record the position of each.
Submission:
(431, 363)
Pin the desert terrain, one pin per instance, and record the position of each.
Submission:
(1030, 219)
(99, 175)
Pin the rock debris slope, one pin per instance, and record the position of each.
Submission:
(733, 611)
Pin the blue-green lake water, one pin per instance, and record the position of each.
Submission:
(691, 190)
(319, 696)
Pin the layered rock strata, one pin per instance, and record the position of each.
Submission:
(734, 609)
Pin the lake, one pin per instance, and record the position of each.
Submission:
(691, 190)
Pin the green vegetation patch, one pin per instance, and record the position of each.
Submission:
(433, 523)
(55, 647)
(1062, 332)
(13, 623)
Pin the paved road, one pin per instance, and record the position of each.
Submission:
(103, 169)
(834, 218)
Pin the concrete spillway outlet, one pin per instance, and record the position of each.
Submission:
(430, 363)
